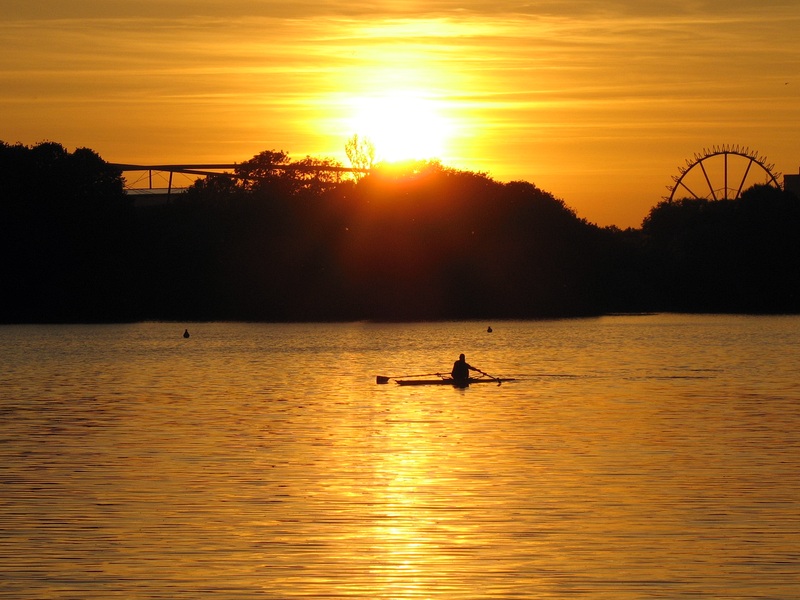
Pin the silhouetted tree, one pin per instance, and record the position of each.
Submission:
(412, 241)
(361, 154)
(263, 172)
(62, 236)
(728, 255)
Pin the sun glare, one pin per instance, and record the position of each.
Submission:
(402, 126)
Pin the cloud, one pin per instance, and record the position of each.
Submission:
(527, 83)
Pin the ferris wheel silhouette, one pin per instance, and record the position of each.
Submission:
(721, 173)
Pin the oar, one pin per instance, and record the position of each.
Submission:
(384, 379)
(489, 376)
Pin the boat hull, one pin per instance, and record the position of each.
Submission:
(452, 382)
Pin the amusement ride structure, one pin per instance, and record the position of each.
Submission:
(721, 173)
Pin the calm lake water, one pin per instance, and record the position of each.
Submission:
(637, 457)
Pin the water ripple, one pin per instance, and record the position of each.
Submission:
(653, 457)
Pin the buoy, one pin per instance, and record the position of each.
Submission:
(186, 333)
(489, 330)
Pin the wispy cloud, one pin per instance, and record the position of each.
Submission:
(532, 86)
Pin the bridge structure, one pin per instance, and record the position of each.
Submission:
(165, 174)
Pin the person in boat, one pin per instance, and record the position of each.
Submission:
(461, 369)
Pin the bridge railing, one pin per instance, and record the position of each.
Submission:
(223, 169)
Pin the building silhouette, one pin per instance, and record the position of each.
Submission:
(791, 183)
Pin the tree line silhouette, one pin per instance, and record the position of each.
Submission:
(419, 241)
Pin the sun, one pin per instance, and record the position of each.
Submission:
(402, 125)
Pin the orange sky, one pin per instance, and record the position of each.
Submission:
(596, 102)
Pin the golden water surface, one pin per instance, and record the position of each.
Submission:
(650, 456)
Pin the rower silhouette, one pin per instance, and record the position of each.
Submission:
(461, 369)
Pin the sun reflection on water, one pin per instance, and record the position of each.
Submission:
(620, 481)
(399, 526)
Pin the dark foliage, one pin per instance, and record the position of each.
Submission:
(727, 255)
(419, 242)
(65, 236)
